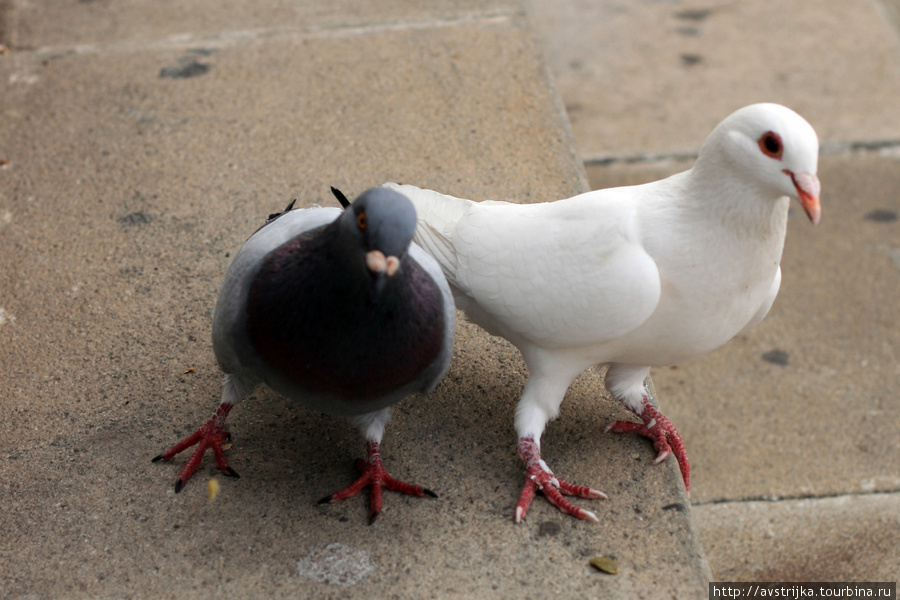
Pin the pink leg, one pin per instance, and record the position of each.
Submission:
(210, 435)
(666, 438)
(374, 475)
(539, 477)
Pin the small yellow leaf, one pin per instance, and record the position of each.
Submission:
(189, 370)
(213, 488)
(605, 564)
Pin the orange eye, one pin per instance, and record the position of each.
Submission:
(770, 144)
(361, 221)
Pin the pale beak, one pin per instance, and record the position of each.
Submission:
(377, 262)
(808, 189)
(382, 266)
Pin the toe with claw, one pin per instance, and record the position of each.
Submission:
(210, 435)
(662, 432)
(374, 475)
(538, 477)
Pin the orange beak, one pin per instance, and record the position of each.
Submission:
(808, 189)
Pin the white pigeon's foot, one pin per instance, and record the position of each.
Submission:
(210, 435)
(665, 437)
(538, 477)
(373, 474)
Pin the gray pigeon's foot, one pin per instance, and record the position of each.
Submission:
(665, 437)
(210, 435)
(539, 477)
(373, 474)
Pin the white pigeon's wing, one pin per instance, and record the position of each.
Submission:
(560, 274)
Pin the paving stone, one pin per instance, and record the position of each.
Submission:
(653, 78)
(134, 164)
(843, 538)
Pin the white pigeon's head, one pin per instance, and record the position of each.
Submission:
(775, 146)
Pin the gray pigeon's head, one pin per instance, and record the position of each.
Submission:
(384, 221)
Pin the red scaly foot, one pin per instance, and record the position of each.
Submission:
(666, 438)
(538, 476)
(373, 474)
(210, 435)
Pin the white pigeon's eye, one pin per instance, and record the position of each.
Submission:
(770, 144)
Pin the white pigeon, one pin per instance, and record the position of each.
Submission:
(632, 277)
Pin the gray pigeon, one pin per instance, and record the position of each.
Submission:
(337, 310)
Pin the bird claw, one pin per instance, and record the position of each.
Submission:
(375, 476)
(660, 430)
(538, 477)
(663, 455)
(210, 435)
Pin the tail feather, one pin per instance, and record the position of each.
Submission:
(438, 215)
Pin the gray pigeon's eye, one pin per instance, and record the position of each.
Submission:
(770, 144)
(361, 221)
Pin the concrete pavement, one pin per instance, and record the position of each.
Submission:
(141, 143)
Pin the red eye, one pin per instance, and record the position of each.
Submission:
(361, 221)
(770, 144)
